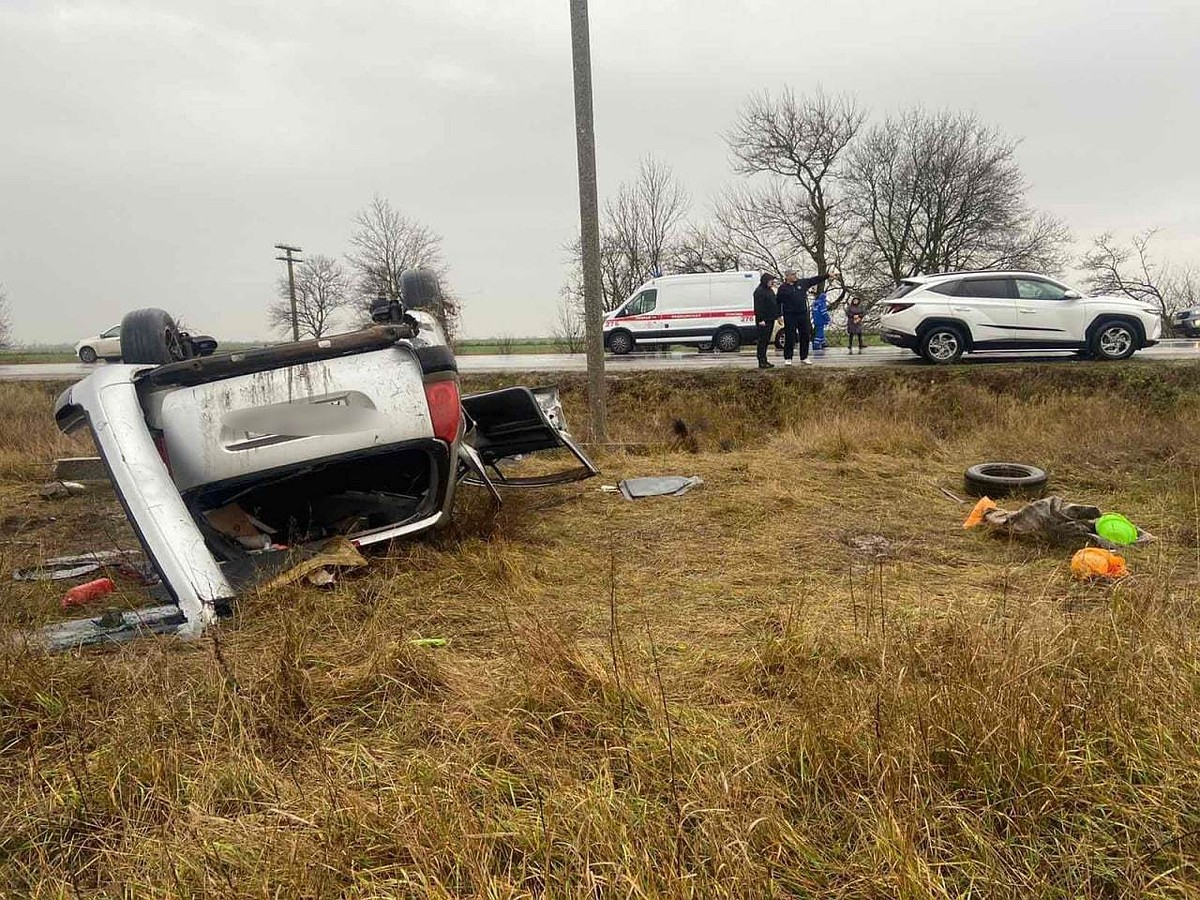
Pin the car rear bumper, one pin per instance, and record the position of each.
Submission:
(899, 339)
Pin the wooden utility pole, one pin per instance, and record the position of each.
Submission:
(589, 216)
(289, 259)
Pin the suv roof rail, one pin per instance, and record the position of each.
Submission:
(980, 272)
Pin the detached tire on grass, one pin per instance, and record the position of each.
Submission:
(150, 336)
(1001, 479)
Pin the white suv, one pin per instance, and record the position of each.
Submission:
(943, 316)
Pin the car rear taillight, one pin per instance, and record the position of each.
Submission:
(893, 308)
(445, 408)
(160, 444)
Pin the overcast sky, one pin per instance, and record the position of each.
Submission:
(153, 151)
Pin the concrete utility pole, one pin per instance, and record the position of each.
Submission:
(589, 216)
(291, 284)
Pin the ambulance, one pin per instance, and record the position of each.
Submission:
(712, 309)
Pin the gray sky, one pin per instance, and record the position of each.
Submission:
(153, 151)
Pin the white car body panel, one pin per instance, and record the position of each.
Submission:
(207, 440)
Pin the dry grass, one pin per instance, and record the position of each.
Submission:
(718, 695)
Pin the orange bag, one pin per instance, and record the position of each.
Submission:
(976, 515)
(1093, 562)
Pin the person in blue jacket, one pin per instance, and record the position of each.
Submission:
(820, 318)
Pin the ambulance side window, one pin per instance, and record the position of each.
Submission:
(641, 304)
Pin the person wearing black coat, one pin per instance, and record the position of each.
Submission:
(766, 311)
(797, 322)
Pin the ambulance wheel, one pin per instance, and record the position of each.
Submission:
(620, 342)
(728, 340)
(780, 339)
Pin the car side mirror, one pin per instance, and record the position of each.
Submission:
(1072, 295)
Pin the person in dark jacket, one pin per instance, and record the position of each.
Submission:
(766, 311)
(797, 323)
(855, 313)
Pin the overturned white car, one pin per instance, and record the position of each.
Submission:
(230, 465)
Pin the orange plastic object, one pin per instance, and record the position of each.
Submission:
(86, 593)
(1094, 562)
(976, 515)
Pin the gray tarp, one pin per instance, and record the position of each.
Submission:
(1054, 519)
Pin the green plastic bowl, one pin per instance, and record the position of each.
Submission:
(1116, 528)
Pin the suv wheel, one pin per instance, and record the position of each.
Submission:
(943, 344)
(1114, 340)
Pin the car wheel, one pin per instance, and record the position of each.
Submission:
(620, 342)
(420, 288)
(705, 347)
(150, 336)
(1114, 340)
(780, 339)
(87, 355)
(728, 341)
(943, 345)
(1003, 478)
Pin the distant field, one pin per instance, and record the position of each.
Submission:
(506, 345)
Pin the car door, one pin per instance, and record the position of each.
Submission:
(1046, 315)
(988, 305)
(109, 344)
(514, 422)
(639, 317)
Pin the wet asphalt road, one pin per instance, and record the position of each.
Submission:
(677, 360)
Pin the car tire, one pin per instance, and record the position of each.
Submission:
(419, 288)
(87, 355)
(1000, 479)
(727, 340)
(704, 347)
(943, 345)
(150, 336)
(620, 342)
(1114, 340)
(780, 339)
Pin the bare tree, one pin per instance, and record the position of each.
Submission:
(1111, 267)
(638, 231)
(800, 143)
(705, 248)
(323, 288)
(568, 330)
(5, 321)
(939, 192)
(385, 243)
(762, 226)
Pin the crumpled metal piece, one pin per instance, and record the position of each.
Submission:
(658, 486)
(129, 562)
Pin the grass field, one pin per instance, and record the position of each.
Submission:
(803, 679)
